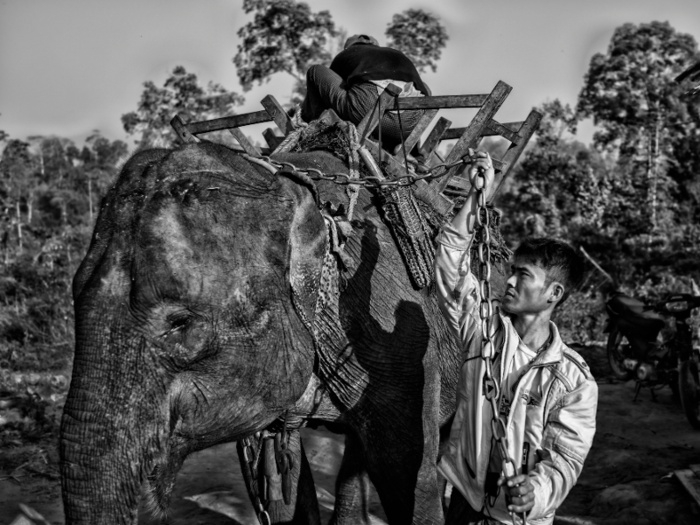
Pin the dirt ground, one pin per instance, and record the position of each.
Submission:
(626, 478)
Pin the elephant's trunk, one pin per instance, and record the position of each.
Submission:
(109, 436)
(99, 485)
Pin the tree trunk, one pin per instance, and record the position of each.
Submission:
(90, 197)
(19, 227)
(653, 164)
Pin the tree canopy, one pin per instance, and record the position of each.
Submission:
(419, 35)
(630, 93)
(180, 95)
(284, 37)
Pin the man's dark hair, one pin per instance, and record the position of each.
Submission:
(560, 261)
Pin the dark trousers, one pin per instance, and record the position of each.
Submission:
(327, 90)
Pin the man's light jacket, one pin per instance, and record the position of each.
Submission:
(553, 404)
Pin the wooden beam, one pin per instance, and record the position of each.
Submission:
(371, 120)
(443, 101)
(247, 146)
(472, 133)
(507, 130)
(233, 121)
(271, 138)
(278, 114)
(415, 135)
(511, 156)
(179, 126)
(433, 139)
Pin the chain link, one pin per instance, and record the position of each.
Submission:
(371, 181)
(251, 460)
(491, 384)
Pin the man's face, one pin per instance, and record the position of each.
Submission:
(526, 291)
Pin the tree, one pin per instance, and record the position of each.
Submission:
(99, 164)
(284, 37)
(560, 187)
(419, 35)
(180, 95)
(18, 172)
(630, 94)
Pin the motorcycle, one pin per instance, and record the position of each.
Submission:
(634, 350)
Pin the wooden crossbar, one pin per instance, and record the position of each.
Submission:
(511, 156)
(438, 102)
(233, 121)
(507, 130)
(472, 133)
(418, 130)
(278, 114)
(483, 124)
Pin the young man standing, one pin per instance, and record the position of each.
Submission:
(548, 398)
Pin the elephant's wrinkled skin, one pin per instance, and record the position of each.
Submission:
(188, 335)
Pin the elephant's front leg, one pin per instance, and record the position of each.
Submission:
(352, 486)
(270, 485)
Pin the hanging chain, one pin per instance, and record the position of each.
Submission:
(491, 384)
(370, 181)
(249, 465)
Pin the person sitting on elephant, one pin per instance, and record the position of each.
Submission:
(548, 398)
(356, 77)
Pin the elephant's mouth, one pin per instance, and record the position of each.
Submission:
(158, 485)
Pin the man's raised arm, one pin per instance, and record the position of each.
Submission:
(455, 283)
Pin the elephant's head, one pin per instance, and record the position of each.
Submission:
(190, 322)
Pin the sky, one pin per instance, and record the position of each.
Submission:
(68, 67)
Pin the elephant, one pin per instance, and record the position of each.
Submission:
(197, 322)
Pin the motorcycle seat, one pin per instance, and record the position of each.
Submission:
(635, 311)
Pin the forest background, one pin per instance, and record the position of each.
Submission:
(630, 197)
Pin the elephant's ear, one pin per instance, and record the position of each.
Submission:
(308, 241)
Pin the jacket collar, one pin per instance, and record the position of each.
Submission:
(554, 352)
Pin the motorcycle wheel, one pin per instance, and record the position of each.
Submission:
(617, 347)
(689, 386)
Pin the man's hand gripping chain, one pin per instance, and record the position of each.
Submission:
(481, 178)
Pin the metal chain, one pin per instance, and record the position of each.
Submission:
(250, 466)
(370, 181)
(491, 385)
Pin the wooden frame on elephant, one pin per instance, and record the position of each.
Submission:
(437, 192)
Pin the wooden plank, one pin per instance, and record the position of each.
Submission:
(247, 146)
(690, 482)
(494, 128)
(442, 101)
(434, 137)
(233, 121)
(271, 138)
(179, 127)
(503, 130)
(371, 120)
(278, 114)
(511, 156)
(418, 130)
(472, 134)
(428, 194)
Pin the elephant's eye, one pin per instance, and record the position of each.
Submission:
(177, 322)
(180, 320)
